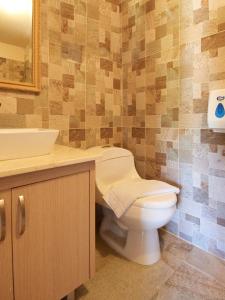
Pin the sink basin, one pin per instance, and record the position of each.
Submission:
(21, 143)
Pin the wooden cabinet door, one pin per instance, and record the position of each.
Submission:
(51, 257)
(6, 278)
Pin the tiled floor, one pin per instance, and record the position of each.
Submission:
(183, 273)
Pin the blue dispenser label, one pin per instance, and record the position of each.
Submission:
(220, 111)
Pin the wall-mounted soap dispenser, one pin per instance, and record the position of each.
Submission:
(216, 110)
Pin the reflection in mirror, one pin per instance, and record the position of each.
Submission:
(16, 41)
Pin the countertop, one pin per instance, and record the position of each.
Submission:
(60, 156)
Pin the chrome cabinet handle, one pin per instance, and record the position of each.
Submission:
(22, 214)
(2, 220)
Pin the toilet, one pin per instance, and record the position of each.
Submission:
(135, 234)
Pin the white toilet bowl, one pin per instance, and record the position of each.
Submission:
(134, 235)
(139, 225)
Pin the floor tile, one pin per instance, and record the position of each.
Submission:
(189, 283)
(173, 250)
(207, 263)
(118, 278)
(183, 273)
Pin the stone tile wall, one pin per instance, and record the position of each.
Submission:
(151, 81)
(138, 73)
(173, 55)
(201, 151)
(80, 75)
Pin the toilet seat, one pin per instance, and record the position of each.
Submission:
(149, 212)
(156, 201)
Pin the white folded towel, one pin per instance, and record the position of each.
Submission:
(121, 195)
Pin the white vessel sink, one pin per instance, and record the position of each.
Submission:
(21, 143)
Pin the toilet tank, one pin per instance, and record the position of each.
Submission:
(114, 164)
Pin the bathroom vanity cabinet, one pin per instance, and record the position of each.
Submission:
(47, 232)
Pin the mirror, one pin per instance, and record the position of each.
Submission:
(19, 45)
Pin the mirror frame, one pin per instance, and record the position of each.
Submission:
(35, 85)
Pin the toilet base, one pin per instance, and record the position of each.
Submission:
(139, 246)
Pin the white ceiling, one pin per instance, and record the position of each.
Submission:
(15, 22)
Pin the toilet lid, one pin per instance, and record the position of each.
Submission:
(157, 201)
